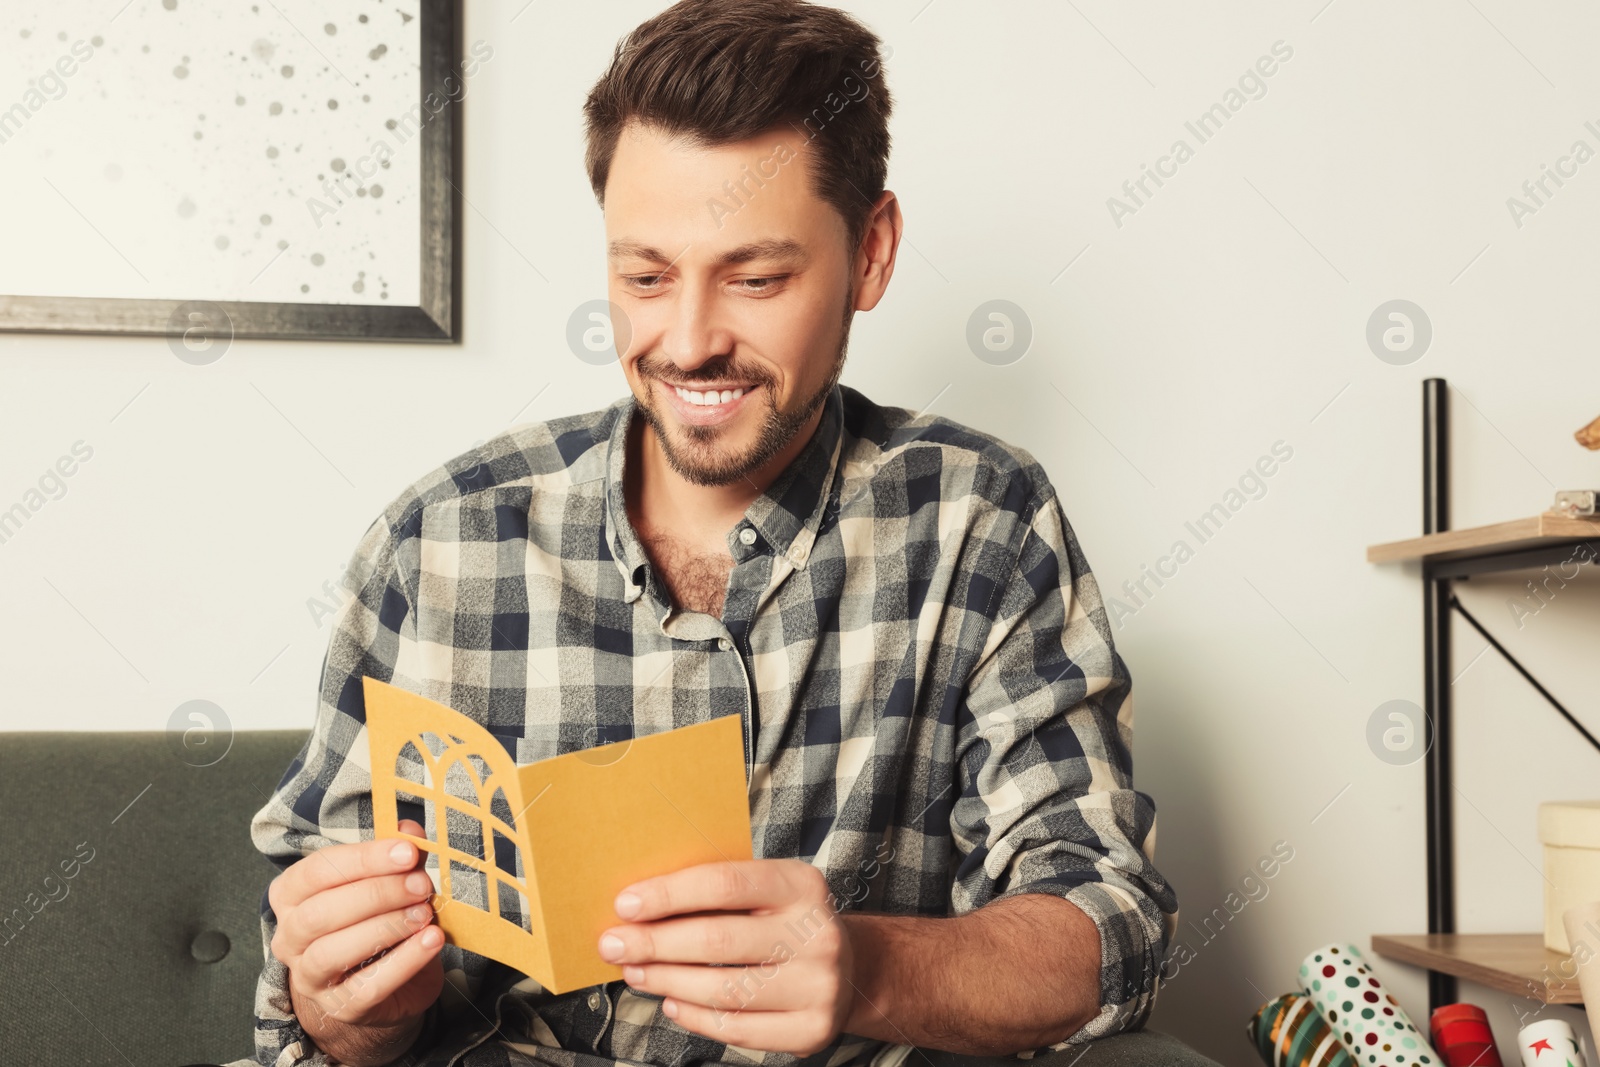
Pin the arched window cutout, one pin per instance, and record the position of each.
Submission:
(408, 767)
(410, 809)
(469, 886)
(507, 857)
(460, 780)
(466, 833)
(500, 808)
(514, 907)
(465, 769)
(479, 765)
(434, 745)
(430, 827)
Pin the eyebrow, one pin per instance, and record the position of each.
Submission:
(772, 248)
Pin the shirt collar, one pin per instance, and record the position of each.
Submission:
(784, 518)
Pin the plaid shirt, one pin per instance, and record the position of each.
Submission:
(934, 714)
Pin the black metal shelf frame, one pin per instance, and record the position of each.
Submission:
(1438, 604)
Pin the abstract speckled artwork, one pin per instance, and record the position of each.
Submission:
(179, 149)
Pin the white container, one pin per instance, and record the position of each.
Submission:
(1570, 832)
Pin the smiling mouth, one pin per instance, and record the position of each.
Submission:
(707, 407)
(710, 397)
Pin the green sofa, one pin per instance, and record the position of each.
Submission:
(130, 930)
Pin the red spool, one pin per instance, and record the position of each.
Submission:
(1461, 1034)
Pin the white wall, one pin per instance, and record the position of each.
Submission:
(1227, 314)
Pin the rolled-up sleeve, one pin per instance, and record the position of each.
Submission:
(325, 796)
(1044, 773)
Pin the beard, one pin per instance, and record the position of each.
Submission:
(692, 452)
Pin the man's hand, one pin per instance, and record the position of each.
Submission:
(337, 909)
(785, 984)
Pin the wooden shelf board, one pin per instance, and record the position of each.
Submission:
(1548, 528)
(1518, 964)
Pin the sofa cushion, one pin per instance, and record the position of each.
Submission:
(130, 895)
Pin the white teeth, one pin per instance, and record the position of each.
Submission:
(708, 398)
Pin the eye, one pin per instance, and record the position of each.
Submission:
(761, 285)
(643, 283)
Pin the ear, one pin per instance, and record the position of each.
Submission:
(874, 263)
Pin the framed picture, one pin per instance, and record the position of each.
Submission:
(266, 168)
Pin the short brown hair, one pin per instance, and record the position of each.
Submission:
(721, 71)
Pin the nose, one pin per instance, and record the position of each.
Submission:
(692, 335)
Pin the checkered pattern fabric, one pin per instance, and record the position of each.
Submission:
(934, 714)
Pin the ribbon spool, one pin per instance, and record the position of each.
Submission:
(1461, 1034)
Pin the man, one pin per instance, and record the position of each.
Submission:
(937, 729)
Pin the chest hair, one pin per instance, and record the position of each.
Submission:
(697, 581)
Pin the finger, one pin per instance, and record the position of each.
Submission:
(741, 885)
(722, 988)
(717, 938)
(345, 906)
(770, 1031)
(354, 998)
(327, 959)
(338, 865)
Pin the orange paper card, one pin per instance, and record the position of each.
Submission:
(586, 825)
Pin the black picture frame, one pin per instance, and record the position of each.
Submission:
(435, 318)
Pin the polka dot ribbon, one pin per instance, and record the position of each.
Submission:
(1361, 1012)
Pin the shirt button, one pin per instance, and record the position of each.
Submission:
(594, 1001)
(798, 553)
(724, 644)
(748, 535)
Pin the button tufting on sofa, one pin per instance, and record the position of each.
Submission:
(131, 895)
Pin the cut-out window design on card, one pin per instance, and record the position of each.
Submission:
(529, 859)
(460, 797)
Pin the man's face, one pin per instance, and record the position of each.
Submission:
(735, 279)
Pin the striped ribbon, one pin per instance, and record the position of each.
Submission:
(1290, 1032)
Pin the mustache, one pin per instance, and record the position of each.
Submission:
(703, 374)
